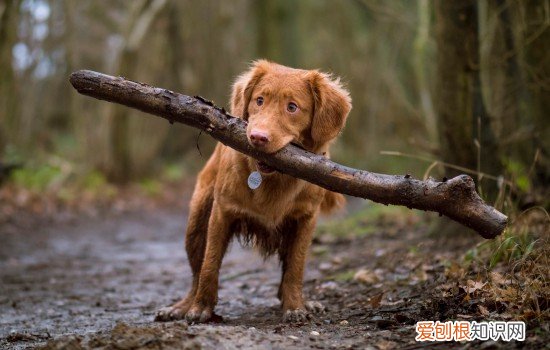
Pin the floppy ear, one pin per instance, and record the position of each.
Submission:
(332, 105)
(244, 86)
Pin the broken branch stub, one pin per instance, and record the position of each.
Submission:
(455, 198)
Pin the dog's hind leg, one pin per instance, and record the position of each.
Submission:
(288, 231)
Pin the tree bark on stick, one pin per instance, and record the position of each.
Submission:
(455, 198)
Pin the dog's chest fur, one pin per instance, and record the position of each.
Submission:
(279, 197)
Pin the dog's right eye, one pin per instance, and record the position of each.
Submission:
(260, 101)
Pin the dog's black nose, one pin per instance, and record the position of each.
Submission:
(259, 138)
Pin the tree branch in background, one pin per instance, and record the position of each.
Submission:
(455, 198)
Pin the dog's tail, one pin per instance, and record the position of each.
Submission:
(332, 202)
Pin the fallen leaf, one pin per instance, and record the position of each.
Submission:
(445, 286)
(472, 286)
(510, 294)
(483, 310)
(374, 301)
(421, 275)
(455, 271)
(529, 315)
(365, 276)
(498, 278)
(386, 345)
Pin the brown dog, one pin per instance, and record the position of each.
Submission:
(282, 105)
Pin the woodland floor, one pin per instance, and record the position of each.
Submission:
(97, 281)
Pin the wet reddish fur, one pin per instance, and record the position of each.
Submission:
(280, 216)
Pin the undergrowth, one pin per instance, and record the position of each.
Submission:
(511, 271)
(516, 267)
(53, 185)
(370, 219)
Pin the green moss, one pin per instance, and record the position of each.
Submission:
(320, 250)
(94, 181)
(365, 221)
(173, 172)
(38, 179)
(344, 276)
(518, 174)
(150, 186)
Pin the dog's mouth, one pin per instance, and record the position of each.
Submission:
(264, 168)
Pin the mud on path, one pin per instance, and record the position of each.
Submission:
(97, 283)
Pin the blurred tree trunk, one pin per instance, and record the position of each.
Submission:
(175, 12)
(465, 132)
(516, 82)
(204, 69)
(8, 91)
(144, 14)
(503, 83)
(502, 86)
(70, 48)
(535, 42)
(420, 67)
(175, 38)
(277, 27)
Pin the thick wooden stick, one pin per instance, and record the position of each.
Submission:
(455, 198)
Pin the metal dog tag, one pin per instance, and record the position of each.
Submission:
(254, 180)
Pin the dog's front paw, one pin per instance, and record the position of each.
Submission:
(170, 313)
(201, 314)
(296, 316)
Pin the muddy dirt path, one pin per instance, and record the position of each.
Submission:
(97, 283)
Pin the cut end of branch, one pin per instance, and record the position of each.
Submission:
(495, 228)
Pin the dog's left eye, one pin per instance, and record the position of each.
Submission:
(292, 107)
(260, 101)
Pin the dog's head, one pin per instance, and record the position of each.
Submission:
(284, 105)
